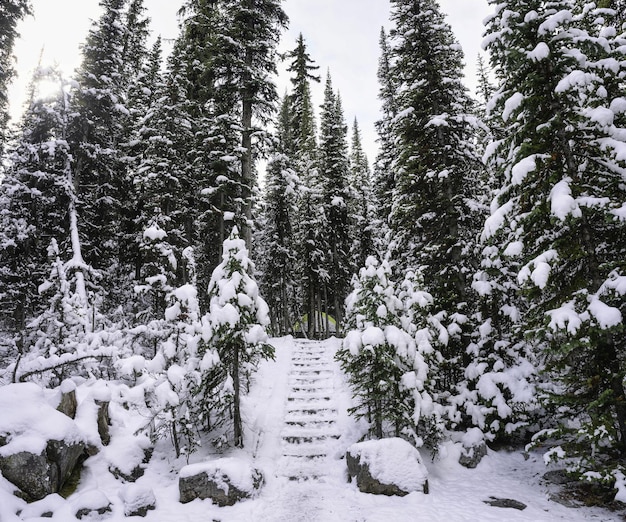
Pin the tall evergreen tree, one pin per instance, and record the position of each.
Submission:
(95, 138)
(34, 200)
(228, 49)
(336, 199)
(361, 209)
(434, 218)
(302, 146)
(11, 12)
(560, 210)
(275, 240)
(383, 177)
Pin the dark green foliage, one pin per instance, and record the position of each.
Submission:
(361, 207)
(560, 199)
(335, 201)
(276, 239)
(34, 200)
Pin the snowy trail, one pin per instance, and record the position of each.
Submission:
(306, 473)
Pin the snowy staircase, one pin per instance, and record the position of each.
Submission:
(310, 424)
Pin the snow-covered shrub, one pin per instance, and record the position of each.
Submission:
(385, 370)
(236, 334)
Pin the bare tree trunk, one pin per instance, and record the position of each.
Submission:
(237, 428)
(246, 143)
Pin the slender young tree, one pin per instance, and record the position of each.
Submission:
(384, 368)
(237, 319)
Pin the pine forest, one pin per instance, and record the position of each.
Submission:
(170, 224)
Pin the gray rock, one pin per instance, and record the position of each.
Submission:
(368, 483)
(472, 455)
(68, 404)
(559, 476)
(40, 475)
(103, 422)
(213, 481)
(505, 503)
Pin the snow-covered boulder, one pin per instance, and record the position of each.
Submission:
(225, 481)
(39, 446)
(387, 467)
(137, 500)
(474, 448)
(90, 503)
(128, 455)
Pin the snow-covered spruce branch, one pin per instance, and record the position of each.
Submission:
(63, 360)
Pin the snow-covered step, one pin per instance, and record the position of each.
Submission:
(312, 388)
(309, 397)
(299, 451)
(308, 379)
(312, 373)
(309, 439)
(321, 410)
(310, 422)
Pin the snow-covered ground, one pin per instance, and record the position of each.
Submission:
(297, 431)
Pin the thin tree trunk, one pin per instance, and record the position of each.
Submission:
(246, 143)
(238, 430)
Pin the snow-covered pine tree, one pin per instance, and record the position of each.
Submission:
(383, 176)
(275, 238)
(254, 26)
(237, 319)
(384, 369)
(361, 208)
(303, 153)
(98, 131)
(302, 129)
(335, 200)
(228, 53)
(560, 209)
(434, 220)
(158, 272)
(12, 12)
(175, 370)
(59, 333)
(33, 202)
(162, 181)
(141, 78)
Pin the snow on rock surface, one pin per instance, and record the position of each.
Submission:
(389, 462)
(224, 480)
(29, 421)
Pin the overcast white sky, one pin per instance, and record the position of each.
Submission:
(341, 35)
